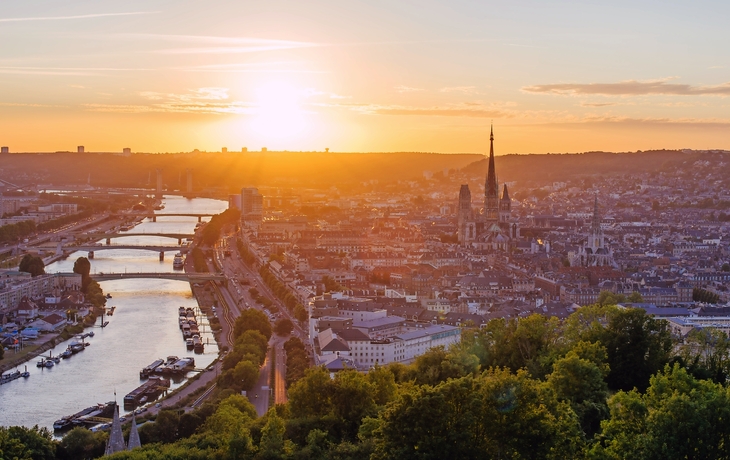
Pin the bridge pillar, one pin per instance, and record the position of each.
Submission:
(108, 241)
(162, 256)
(154, 218)
(179, 241)
(200, 218)
(91, 254)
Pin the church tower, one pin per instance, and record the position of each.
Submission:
(467, 227)
(505, 206)
(491, 189)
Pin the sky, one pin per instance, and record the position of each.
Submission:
(370, 75)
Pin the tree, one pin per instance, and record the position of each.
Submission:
(494, 415)
(82, 266)
(638, 346)
(311, 395)
(81, 443)
(635, 297)
(252, 319)
(272, 437)
(32, 264)
(679, 417)
(609, 298)
(283, 327)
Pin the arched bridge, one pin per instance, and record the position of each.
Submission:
(99, 236)
(143, 247)
(180, 276)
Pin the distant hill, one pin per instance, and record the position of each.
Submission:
(225, 169)
(547, 168)
(322, 169)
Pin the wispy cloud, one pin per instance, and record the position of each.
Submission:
(211, 100)
(205, 44)
(629, 88)
(257, 67)
(20, 104)
(597, 104)
(407, 89)
(73, 71)
(471, 110)
(79, 16)
(459, 89)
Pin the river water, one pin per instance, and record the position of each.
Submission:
(144, 327)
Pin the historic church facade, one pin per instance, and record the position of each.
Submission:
(491, 227)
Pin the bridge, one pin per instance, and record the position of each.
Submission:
(91, 249)
(179, 276)
(109, 236)
(154, 216)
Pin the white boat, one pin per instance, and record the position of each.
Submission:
(178, 262)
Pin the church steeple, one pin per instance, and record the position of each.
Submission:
(491, 189)
(596, 216)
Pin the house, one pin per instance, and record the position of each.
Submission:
(50, 323)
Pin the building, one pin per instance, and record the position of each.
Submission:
(595, 252)
(127, 151)
(234, 202)
(80, 149)
(251, 204)
(4, 149)
(491, 227)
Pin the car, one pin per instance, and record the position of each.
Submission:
(158, 405)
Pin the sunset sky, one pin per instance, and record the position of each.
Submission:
(168, 76)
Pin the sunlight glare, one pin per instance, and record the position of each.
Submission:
(279, 115)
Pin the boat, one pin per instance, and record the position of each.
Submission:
(178, 263)
(85, 416)
(181, 311)
(25, 373)
(147, 370)
(66, 354)
(198, 344)
(108, 296)
(50, 363)
(9, 377)
(110, 312)
(76, 346)
(149, 389)
(41, 363)
(189, 344)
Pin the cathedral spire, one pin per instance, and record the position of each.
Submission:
(491, 190)
(116, 438)
(596, 217)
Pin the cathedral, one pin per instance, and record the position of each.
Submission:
(595, 252)
(491, 227)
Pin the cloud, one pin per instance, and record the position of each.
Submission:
(19, 104)
(698, 123)
(630, 88)
(254, 67)
(210, 100)
(597, 104)
(80, 16)
(470, 110)
(459, 89)
(407, 89)
(219, 45)
(73, 71)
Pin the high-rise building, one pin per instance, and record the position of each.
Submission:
(244, 149)
(80, 149)
(4, 149)
(224, 149)
(127, 151)
(252, 203)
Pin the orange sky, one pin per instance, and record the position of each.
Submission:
(363, 76)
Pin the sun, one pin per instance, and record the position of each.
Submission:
(278, 112)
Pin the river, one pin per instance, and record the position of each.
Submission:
(143, 328)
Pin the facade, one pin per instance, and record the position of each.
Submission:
(595, 252)
(491, 227)
(251, 204)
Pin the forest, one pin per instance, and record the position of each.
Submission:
(605, 383)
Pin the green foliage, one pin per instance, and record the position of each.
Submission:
(81, 443)
(27, 443)
(705, 353)
(246, 255)
(32, 264)
(94, 294)
(297, 360)
(679, 417)
(702, 295)
(635, 297)
(331, 285)
(282, 292)
(495, 415)
(283, 327)
(609, 298)
(252, 319)
(14, 232)
(212, 230)
(199, 260)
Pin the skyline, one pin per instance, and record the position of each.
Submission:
(167, 76)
